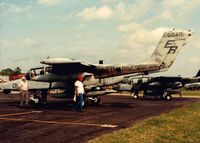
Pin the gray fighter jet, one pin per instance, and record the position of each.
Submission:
(162, 87)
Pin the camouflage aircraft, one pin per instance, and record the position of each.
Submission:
(97, 76)
(161, 87)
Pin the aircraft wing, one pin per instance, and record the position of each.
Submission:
(66, 66)
(13, 85)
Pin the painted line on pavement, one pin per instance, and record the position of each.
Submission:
(61, 123)
(21, 113)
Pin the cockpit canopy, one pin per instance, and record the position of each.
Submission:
(37, 71)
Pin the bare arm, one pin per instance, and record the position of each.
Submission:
(20, 88)
(76, 90)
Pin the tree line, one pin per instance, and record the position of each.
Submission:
(9, 71)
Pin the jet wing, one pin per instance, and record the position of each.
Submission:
(57, 61)
(66, 66)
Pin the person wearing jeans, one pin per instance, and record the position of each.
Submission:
(79, 91)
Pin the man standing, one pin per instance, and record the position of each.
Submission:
(23, 88)
(79, 91)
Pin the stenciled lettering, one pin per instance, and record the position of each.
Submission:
(172, 46)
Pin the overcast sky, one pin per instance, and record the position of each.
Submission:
(116, 31)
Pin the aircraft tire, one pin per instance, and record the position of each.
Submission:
(97, 101)
(6, 91)
(36, 102)
(168, 97)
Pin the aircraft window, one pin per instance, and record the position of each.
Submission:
(36, 72)
(41, 71)
(48, 69)
(32, 73)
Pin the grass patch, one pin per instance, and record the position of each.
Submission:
(191, 92)
(179, 126)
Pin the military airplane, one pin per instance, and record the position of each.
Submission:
(161, 87)
(97, 76)
(192, 86)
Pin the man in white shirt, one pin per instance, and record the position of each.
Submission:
(23, 88)
(79, 91)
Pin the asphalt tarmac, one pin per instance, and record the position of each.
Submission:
(59, 123)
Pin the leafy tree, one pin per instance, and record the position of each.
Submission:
(18, 70)
(9, 71)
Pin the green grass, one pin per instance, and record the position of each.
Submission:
(179, 126)
(191, 92)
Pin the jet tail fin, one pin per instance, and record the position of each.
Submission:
(198, 74)
(169, 47)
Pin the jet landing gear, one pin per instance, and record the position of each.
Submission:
(91, 101)
(39, 97)
(35, 98)
(168, 97)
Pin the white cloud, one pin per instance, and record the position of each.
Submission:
(29, 42)
(49, 2)
(141, 42)
(181, 6)
(109, 1)
(13, 8)
(194, 60)
(173, 12)
(145, 36)
(166, 15)
(121, 11)
(128, 11)
(130, 27)
(94, 13)
(4, 43)
(195, 42)
(190, 6)
(173, 3)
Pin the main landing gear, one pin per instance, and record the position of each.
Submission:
(91, 101)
